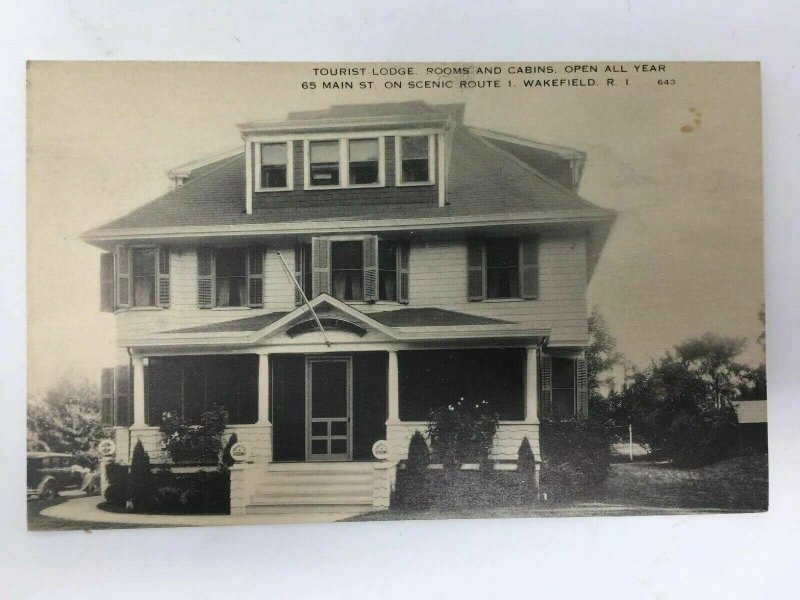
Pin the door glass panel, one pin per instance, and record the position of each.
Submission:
(338, 446)
(319, 446)
(319, 428)
(338, 428)
(329, 389)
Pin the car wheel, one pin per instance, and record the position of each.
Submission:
(49, 492)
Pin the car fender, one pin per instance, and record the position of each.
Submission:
(45, 481)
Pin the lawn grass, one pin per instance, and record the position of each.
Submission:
(38, 522)
(639, 488)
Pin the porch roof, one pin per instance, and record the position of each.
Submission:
(404, 317)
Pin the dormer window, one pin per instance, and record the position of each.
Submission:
(415, 159)
(324, 163)
(364, 161)
(274, 171)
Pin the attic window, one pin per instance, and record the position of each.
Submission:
(324, 163)
(274, 166)
(415, 159)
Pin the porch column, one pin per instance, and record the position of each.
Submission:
(532, 385)
(263, 389)
(394, 389)
(138, 391)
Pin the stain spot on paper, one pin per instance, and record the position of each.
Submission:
(687, 129)
(697, 121)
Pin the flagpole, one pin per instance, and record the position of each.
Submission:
(305, 299)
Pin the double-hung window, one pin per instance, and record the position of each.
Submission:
(354, 270)
(503, 268)
(363, 161)
(274, 169)
(231, 277)
(143, 276)
(564, 386)
(135, 276)
(415, 163)
(323, 163)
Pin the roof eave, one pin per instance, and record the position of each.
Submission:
(318, 125)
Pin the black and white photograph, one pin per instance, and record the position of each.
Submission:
(277, 293)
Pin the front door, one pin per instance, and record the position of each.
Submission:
(329, 408)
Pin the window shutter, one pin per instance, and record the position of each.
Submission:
(582, 385)
(205, 277)
(299, 275)
(123, 277)
(107, 282)
(476, 270)
(403, 250)
(255, 277)
(529, 268)
(321, 263)
(123, 412)
(370, 247)
(163, 277)
(107, 397)
(546, 377)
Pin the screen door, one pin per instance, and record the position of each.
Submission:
(329, 405)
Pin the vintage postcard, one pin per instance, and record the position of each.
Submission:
(312, 292)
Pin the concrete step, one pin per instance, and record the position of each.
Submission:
(331, 487)
(282, 509)
(320, 467)
(306, 479)
(310, 500)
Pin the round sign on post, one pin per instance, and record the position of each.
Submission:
(106, 447)
(380, 450)
(239, 452)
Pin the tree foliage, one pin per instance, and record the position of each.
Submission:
(66, 418)
(601, 358)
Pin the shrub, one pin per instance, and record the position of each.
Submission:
(140, 479)
(191, 493)
(194, 444)
(576, 455)
(526, 468)
(227, 459)
(117, 492)
(412, 489)
(462, 433)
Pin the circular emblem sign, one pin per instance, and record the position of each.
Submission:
(239, 452)
(106, 447)
(380, 450)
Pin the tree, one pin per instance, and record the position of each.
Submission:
(601, 358)
(65, 419)
(712, 356)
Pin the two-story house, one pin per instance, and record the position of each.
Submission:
(442, 261)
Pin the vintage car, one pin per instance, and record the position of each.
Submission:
(51, 472)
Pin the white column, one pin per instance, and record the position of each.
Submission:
(263, 389)
(532, 385)
(138, 391)
(394, 389)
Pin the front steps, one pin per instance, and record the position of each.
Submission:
(336, 487)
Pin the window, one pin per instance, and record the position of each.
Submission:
(347, 270)
(502, 269)
(324, 163)
(387, 271)
(231, 284)
(563, 382)
(415, 159)
(364, 162)
(143, 273)
(230, 277)
(274, 166)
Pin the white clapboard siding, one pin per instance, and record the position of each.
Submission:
(438, 278)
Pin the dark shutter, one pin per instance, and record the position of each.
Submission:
(123, 277)
(205, 277)
(529, 268)
(403, 250)
(123, 406)
(107, 282)
(107, 396)
(370, 247)
(476, 270)
(255, 277)
(546, 378)
(299, 272)
(163, 277)
(582, 388)
(320, 263)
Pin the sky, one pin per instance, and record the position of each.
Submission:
(684, 257)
